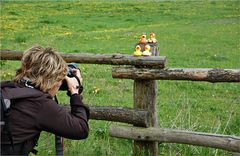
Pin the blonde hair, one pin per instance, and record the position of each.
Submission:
(44, 67)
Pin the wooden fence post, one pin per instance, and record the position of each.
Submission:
(145, 93)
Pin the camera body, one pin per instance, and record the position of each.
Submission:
(71, 66)
(64, 85)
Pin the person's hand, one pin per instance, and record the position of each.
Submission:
(78, 74)
(72, 82)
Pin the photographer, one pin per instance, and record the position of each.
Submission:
(33, 109)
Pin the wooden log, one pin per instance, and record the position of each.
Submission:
(145, 93)
(192, 74)
(117, 114)
(113, 59)
(225, 142)
(11, 55)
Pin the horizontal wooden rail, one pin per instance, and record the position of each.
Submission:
(117, 114)
(226, 142)
(193, 74)
(113, 59)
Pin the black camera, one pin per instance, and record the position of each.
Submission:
(64, 85)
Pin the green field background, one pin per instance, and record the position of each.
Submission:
(191, 34)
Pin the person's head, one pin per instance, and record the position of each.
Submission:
(44, 67)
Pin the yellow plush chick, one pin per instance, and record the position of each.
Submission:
(152, 38)
(147, 49)
(137, 51)
(143, 39)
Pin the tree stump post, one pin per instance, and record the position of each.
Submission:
(145, 93)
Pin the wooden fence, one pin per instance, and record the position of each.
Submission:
(145, 71)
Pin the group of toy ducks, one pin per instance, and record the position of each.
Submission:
(146, 52)
(144, 40)
(147, 48)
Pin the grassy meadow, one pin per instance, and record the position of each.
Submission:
(192, 34)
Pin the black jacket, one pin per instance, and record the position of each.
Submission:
(33, 111)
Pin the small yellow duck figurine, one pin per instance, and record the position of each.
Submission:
(143, 39)
(152, 38)
(137, 51)
(147, 49)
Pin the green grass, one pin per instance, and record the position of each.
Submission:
(192, 34)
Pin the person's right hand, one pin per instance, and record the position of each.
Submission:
(78, 74)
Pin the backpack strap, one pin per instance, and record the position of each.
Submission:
(5, 108)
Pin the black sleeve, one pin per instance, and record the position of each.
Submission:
(53, 118)
(76, 103)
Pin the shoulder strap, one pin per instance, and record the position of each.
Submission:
(5, 113)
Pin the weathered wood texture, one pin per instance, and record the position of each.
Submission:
(226, 142)
(193, 74)
(117, 114)
(145, 93)
(113, 59)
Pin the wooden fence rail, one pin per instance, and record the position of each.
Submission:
(112, 59)
(226, 142)
(117, 114)
(193, 74)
